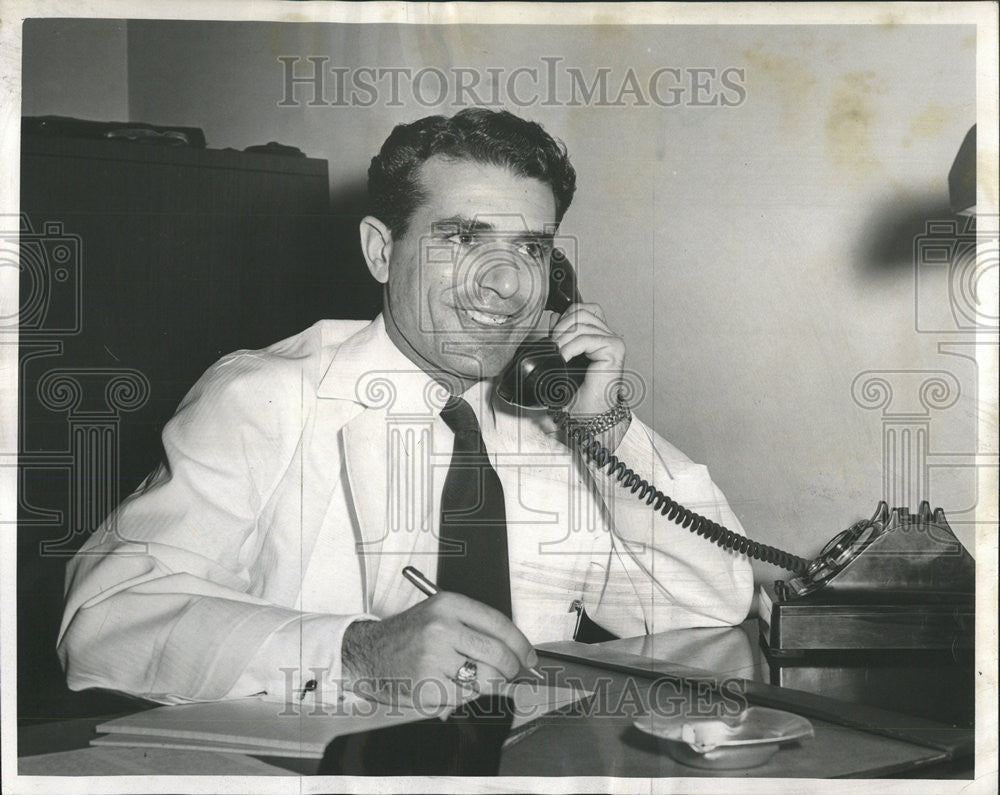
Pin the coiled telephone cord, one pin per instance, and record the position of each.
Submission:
(685, 517)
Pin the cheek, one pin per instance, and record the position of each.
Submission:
(402, 279)
(436, 292)
(406, 286)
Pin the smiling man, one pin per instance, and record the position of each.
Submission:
(265, 554)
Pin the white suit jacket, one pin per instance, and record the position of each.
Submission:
(300, 479)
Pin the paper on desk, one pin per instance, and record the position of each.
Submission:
(255, 726)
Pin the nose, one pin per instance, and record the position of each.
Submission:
(504, 279)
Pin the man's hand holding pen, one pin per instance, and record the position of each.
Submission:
(427, 655)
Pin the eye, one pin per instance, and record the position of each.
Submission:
(533, 249)
(463, 239)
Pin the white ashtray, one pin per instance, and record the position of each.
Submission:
(745, 740)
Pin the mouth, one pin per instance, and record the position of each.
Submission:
(487, 319)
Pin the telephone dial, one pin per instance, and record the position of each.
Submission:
(894, 572)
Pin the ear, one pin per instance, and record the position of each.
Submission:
(376, 245)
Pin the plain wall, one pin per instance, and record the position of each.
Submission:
(75, 67)
(757, 258)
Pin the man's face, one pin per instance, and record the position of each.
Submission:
(469, 278)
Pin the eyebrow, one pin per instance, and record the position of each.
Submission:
(467, 224)
(464, 223)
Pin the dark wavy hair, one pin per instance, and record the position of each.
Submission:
(494, 137)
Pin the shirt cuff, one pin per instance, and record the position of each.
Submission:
(300, 661)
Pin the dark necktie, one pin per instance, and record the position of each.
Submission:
(472, 557)
(472, 560)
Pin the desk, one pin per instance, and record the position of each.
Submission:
(598, 741)
(731, 658)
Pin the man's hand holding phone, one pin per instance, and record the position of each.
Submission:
(582, 329)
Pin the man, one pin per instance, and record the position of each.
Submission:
(265, 554)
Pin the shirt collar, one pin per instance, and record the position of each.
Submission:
(369, 369)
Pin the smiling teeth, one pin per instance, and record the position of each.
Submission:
(486, 318)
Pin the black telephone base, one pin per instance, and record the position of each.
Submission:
(877, 620)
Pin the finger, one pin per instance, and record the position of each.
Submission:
(594, 309)
(489, 679)
(491, 622)
(598, 347)
(487, 650)
(579, 316)
(568, 332)
(571, 319)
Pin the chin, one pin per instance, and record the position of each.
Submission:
(485, 369)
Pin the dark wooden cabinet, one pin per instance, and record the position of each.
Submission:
(140, 266)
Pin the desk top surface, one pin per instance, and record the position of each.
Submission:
(606, 743)
(599, 740)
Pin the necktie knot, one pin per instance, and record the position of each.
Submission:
(459, 416)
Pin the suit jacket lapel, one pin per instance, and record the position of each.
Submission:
(389, 471)
(387, 455)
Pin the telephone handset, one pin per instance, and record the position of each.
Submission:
(539, 376)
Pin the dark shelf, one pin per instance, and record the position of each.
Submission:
(149, 263)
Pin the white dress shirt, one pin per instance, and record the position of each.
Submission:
(300, 479)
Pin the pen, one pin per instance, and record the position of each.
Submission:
(430, 589)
